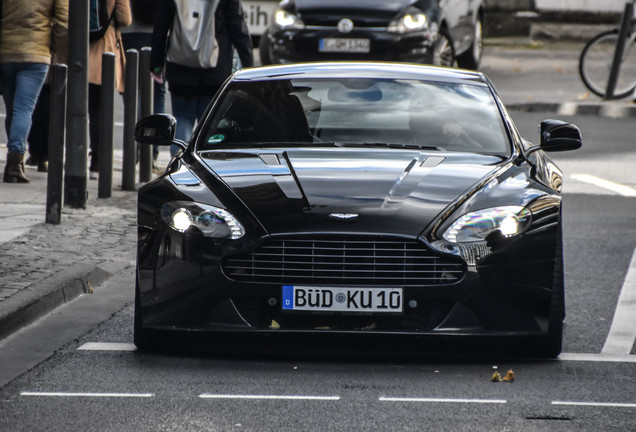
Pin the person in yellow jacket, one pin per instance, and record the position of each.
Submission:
(110, 42)
(31, 31)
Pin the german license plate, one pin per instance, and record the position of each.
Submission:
(342, 299)
(344, 45)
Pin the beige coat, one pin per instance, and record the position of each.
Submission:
(32, 30)
(111, 42)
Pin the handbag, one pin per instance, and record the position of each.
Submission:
(192, 39)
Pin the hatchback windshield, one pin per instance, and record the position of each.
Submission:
(371, 112)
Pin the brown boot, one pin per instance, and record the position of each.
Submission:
(14, 170)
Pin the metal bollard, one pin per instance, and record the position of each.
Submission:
(145, 109)
(619, 50)
(106, 120)
(75, 171)
(57, 129)
(130, 118)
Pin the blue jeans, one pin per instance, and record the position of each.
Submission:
(22, 85)
(186, 111)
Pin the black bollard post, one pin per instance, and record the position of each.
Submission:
(626, 25)
(75, 175)
(57, 120)
(145, 109)
(107, 114)
(130, 118)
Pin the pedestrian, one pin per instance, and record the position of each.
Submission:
(193, 82)
(38, 139)
(31, 31)
(137, 36)
(119, 10)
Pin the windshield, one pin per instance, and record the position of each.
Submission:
(360, 112)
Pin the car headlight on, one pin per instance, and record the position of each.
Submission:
(478, 226)
(409, 22)
(287, 20)
(211, 221)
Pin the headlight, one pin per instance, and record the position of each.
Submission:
(287, 20)
(409, 23)
(477, 226)
(211, 221)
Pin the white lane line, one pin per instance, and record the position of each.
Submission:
(268, 397)
(600, 358)
(88, 395)
(595, 404)
(617, 188)
(441, 400)
(622, 334)
(107, 346)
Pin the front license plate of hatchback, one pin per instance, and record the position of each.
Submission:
(342, 299)
(344, 45)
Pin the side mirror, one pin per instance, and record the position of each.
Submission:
(157, 129)
(557, 135)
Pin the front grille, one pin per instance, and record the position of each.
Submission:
(344, 261)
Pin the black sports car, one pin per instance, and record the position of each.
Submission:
(419, 31)
(359, 205)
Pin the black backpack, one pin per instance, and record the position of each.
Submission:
(143, 11)
(99, 19)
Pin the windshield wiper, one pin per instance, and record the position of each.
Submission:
(389, 145)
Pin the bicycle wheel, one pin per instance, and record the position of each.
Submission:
(595, 65)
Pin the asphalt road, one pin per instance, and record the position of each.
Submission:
(94, 381)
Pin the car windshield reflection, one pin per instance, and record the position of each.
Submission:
(396, 113)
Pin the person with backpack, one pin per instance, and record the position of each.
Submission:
(193, 48)
(107, 17)
(31, 30)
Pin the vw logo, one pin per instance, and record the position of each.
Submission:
(345, 25)
(343, 216)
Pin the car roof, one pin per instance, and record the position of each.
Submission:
(381, 70)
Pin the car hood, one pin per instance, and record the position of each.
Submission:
(348, 190)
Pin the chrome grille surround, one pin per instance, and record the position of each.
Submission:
(344, 261)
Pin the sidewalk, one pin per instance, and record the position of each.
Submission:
(43, 266)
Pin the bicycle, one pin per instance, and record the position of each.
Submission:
(597, 57)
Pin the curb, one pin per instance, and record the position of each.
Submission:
(33, 303)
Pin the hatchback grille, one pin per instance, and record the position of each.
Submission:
(344, 261)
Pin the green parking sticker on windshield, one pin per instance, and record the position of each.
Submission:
(215, 139)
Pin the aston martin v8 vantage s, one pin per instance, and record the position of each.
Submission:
(440, 32)
(361, 205)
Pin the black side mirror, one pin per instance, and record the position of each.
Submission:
(557, 135)
(157, 129)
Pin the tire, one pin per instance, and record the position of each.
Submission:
(471, 58)
(444, 50)
(139, 336)
(554, 340)
(595, 65)
(264, 50)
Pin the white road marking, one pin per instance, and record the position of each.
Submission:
(107, 346)
(602, 183)
(600, 358)
(270, 397)
(580, 357)
(596, 404)
(88, 395)
(622, 334)
(441, 400)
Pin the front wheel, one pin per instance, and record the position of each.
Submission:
(444, 50)
(471, 58)
(595, 65)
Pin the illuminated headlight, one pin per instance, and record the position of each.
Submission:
(287, 20)
(409, 23)
(211, 221)
(477, 226)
